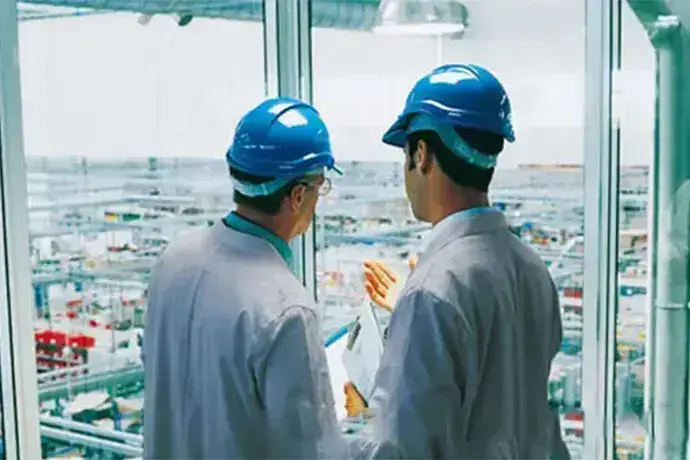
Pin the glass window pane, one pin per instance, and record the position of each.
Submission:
(127, 120)
(636, 143)
(361, 80)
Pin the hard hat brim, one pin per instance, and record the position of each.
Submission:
(261, 167)
(396, 135)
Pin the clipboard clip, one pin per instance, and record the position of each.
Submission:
(354, 333)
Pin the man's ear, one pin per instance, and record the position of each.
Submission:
(297, 197)
(423, 157)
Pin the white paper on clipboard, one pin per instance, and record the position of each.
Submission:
(362, 359)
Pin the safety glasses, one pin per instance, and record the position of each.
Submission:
(324, 188)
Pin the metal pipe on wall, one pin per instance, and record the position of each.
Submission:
(668, 395)
(671, 334)
(667, 405)
(668, 364)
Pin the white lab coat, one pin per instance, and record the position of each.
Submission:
(465, 368)
(235, 366)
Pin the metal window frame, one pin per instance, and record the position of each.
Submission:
(17, 356)
(601, 228)
(289, 73)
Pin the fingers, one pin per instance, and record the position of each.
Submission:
(381, 271)
(377, 297)
(381, 288)
(354, 402)
(413, 263)
(375, 274)
(350, 398)
(377, 280)
(386, 272)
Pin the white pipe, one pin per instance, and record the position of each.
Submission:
(90, 441)
(134, 439)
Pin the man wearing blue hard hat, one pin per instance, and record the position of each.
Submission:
(235, 366)
(465, 368)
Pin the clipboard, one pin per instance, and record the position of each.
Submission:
(363, 350)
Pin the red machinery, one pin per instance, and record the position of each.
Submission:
(574, 292)
(59, 350)
(573, 423)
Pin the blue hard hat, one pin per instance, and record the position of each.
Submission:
(452, 96)
(282, 138)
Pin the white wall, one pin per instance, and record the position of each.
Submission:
(104, 86)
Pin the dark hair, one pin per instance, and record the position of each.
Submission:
(269, 204)
(460, 171)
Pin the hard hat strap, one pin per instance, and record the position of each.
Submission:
(270, 187)
(451, 139)
(264, 189)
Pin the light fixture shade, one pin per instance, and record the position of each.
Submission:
(144, 19)
(421, 17)
(184, 19)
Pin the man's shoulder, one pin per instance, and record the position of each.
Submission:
(186, 243)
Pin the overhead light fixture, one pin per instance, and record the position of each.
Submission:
(181, 19)
(144, 19)
(184, 19)
(421, 17)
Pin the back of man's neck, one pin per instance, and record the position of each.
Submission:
(479, 201)
(266, 221)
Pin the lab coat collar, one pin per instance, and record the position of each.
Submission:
(242, 225)
(461, 224)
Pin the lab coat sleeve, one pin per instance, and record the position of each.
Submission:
(429, 361)
(295, 390)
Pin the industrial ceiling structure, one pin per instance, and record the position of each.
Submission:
(26, 12)
(340, 14)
